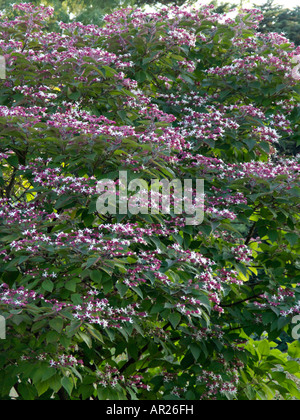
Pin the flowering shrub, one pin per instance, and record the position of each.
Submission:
(141, 306)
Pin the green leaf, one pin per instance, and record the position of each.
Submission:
(264, 348)
(294, 350)
(55, 383)
(196, 351)
(292, 238)
(72, 285)
(122, 288)
(26, 391)
(109, 72)
(282, 322)
(57, 324)
(91, 261)
(133, 349)
(86, 338)
(52, 337)
(295, 192)
(138, 291)
(42, 387)
(75, 96)
(68, 385)
(73, 327)
(48, 285)
(175, 319)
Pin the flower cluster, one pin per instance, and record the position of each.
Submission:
(242, 253)
(240, 67)
(215, 384)
(272, 169)
(100, 312)
(110, 377)
(63, 360)
(92, 310)
(66, 361)
(181, 37)
(24, 213)
(280, 299)
(18, 298)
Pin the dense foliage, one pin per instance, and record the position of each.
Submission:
(277, 18)
(143, 306)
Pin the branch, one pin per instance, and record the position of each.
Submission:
(11, 184)
(241, 301)
(250, 234)
(131, 360)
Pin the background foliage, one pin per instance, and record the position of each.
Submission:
(276, 17)
(143, 306)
